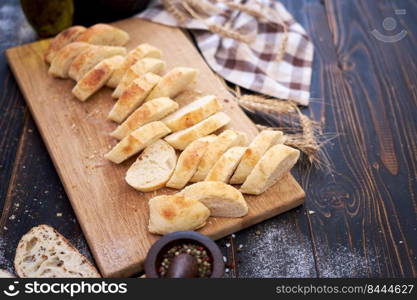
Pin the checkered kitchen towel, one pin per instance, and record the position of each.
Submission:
(256, 65)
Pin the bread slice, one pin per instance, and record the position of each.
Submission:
(141, 51)
(143, 66)
(263, 141)
(61, 40)
(222, 200)
(6, 274)
(275, 163)
(153, 168)
(137, 141)
(91, 57)
(153, 110)
(181, 139)
(133, 96)
(64, 57)
(193, 113)
(224, 168)
(43, 252)
(96, 78)
(188, 162)
(104, 34)
(173, 82)
(227, 139)
(170, 213)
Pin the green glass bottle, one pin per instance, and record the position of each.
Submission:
(48, 17)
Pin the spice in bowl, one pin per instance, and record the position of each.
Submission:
(197, 254)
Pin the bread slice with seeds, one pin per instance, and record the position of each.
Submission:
(188, 162)
(153, 110)
(96, 78)
(262, 142)
(137, 141)
(224, 168)
(61, 40)
(225, 140)
(274, 164)
(153, 168)
(170, 213)
(181, 139)
(43, 252)
(222, 200)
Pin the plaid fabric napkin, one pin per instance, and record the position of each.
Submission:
(261, 65)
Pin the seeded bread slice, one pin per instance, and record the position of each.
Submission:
(133, 96)
(170, 213)
(222, 200)
(91, 57)
(188, 162)
(43, 252)
(104, 34)
(193, 113)
(227, 139)
(153, 110)
(64, 57)
(181, 139)
(137, 141)
(173, 83)
(96, 78)
(223, 169)
(262, 142)
(153, 168)
(275, 163)
(141, 51)
(61, 40)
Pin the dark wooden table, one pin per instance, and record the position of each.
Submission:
(360, 220)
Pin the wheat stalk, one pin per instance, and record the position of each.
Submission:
(170, 6)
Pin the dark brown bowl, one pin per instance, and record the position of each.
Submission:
(157, 250)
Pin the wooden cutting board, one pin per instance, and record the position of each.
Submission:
(113, 215)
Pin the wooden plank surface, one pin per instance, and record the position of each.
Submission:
(113, 216)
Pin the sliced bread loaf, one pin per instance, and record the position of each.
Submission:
(141, 51)
(193, 113)
(262, 142)
(137, 141)
(43, 252)
(188, 162)
(143, 66)
(181, 139)
(170, 213)
(275, 163)
(96, 78)
(173, 82)
(225, 140)
(104, 34)
(223, 169)
(153, 110)
(62, 39)
(91, 57)
(64, 57)
(222, 200)
(133, 96)
(153, 168)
